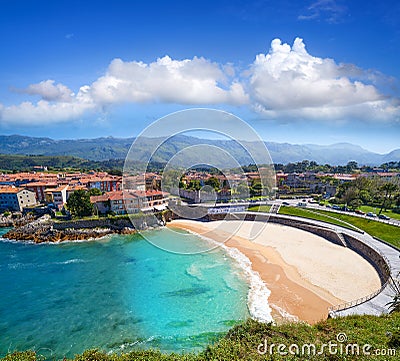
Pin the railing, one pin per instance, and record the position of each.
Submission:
(359, 301)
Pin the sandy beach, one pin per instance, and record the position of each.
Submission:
(304, 272)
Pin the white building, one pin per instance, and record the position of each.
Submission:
(57, 196)
(16, 199)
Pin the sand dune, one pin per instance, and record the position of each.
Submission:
(305, 273)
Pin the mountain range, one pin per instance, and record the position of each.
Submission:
(117, 148)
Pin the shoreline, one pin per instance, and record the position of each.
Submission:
(295, 293)
(50, 236)
(46, 230)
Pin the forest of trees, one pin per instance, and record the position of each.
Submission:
(370, 191)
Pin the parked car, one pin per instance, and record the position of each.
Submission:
(336, 207)
(370, 214)
(384, 216)
(346, 209)
(358, 211)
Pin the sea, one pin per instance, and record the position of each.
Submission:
(121, 293)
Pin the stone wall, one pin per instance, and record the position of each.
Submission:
(324, 232)
(114, 224)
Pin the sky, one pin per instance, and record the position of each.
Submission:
(318, 71)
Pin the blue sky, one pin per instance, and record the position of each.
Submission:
(322, 72)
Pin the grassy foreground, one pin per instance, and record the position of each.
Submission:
(387, 232)
(243, 342)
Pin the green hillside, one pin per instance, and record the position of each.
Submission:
(18, 163)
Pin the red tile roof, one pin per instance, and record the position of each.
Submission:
(10, 189)
(41, 184)
(102, 198)
(58, 189)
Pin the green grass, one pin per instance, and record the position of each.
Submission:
(386, 232)
(263, 208)
(242, 341)
(302, 212)
(375, 210)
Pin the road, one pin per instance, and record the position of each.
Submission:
(316, 206)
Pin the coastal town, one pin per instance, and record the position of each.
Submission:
(38, 191)
(41, 191)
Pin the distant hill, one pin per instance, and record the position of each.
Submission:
(19, 162)
(93, 149)
(100, 149)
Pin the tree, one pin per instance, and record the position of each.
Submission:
(79, 204)
(170, 179)
(213, 182)
(256, 187)
(351, 166)
(394, 305)
(355, 203)
(243, 190)
(388, 189)
(365, 196)
(194, 184)
(350, 196)
(94, 192)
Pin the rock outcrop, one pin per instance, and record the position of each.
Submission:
(45, 230)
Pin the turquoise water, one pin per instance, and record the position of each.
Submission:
(116, 294)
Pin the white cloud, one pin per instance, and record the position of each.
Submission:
(50, 91)
(288, 81)
(189, 81)
(45, 111)
(376, 111)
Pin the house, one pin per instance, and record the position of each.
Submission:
(204, 196)
(152, 199)
(153, 181)
(135, 183)
(57, 196)
(16, 199)
(344, 178)
(295, 180)
(72, 188)
(101, 203)
(129, 202)
(105, 183)
(39, 189)
(118, 202)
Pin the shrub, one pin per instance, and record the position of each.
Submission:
(394, 341)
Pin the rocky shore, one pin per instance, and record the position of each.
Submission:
(45, 229)
(15, 220)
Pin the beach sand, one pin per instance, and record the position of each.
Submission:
(304, 272)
